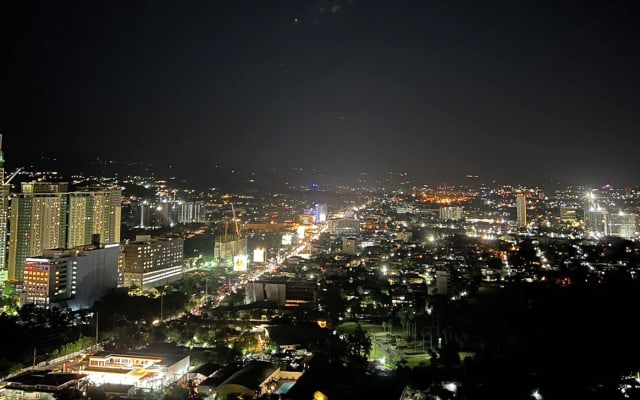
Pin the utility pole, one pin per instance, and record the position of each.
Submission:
(161, 305)
(97, 319)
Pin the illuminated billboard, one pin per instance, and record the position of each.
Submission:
(240, 263)
(307, 219)
(258, 255)
(287, 239)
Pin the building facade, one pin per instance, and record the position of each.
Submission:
(47, 216)
(4, 218)
(344, 227)
(623, 225)
(73, 278)
(38, 222)
(521, 209)
(153, 262)
(451, 213)
(94, 212)
(596, 221)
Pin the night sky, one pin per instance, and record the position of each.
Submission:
(525, 91)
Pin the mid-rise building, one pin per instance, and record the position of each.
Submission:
(443, 281)
(191, 211)
(349, 245)
(451, 213)
(623, 225)
(596, 221)
(568, 214)
(73, 278)
(285, 292)
(153, 262)
(228, 247)
(320, 212)
(344, 227)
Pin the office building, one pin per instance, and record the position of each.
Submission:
(320, 212)
(150, 263)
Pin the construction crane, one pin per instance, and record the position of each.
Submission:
(236, 242)
(235, 221)
(13, 175)
(3, 180)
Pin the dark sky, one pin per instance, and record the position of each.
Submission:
(526, 91)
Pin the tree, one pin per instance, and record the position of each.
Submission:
(334, 304)
(449, 355)
(358, 346)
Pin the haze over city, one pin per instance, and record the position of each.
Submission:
(319, 199)
(533, 92)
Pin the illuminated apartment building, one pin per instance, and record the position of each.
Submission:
(191, 211)
(623, 225)
(74, 278)
(596, 221)
(4, 217)
(451, 213)
(47, 216)
(38, 222)
(521, 209)
(94, 212)
(151, 262)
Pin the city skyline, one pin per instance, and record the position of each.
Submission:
(530, 92)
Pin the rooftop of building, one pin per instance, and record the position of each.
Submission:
(252, 375)
(42, 378)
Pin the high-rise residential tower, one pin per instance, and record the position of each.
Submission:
(38, 222)
(94, 211)
(47, 216)
(521, 206)
(4, 215)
